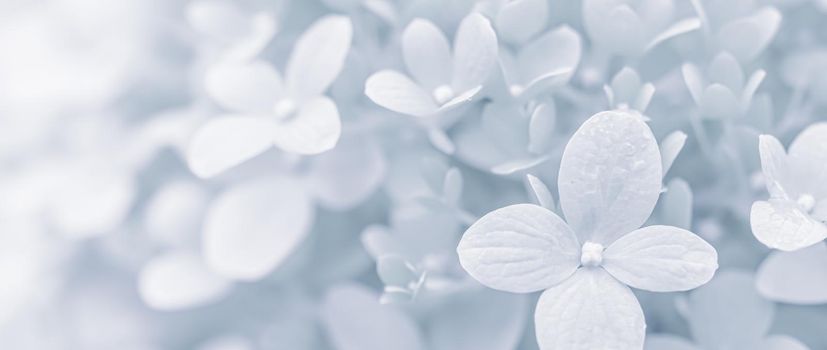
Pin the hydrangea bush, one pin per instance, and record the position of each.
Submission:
(413, 174)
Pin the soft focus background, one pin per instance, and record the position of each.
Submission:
(108, 239)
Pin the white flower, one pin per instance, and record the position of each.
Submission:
(727, 313)
(793, 217)
(610, 179)
(292, 115)
(724, 93)
(445, 79)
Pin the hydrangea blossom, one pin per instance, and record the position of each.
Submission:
(292, 114)
(793, 217)
(609, 182)
(446, 77)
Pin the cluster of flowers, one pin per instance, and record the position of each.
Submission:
(413, 175)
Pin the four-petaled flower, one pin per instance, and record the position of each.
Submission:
(793, 217)
(294, 115)
(444, 79)
(609, 182)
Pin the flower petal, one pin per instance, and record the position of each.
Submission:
(475, 52)
(354, 320)
(775, 166)
(780, 224)
(610, 176)
(520, 20)
(808, 155)
(427, 53)
(251, 87)
(314, 129)
(728, 313)
(798, 277)
(520, 248)
(760, 27)
(668, 342)
(225, 142)
(178, 281)
(395, 91)
(318, 57)
(251, 228)
(670, 147)
(557, 50)
(348, 174)
(661, 259)
(590, 310)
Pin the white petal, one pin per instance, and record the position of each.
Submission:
(694, 81)
(348, 174)
(397, 92)
(614, 26)
(518, 21)
(780, 224)
(775, 165)
(591, 310)
(475, 52)
(726, 70)
(661, 259)
(251, 228)
(318, 57)
(808, 154)
(173, 215)
(751, 87)
(225, 142)
(427, 53)
(719, 102)
(244, 87)
(782, 342)
(668, 342)
(644, 97)
(760, 27)
(481, 319)
(521, 248)
(798, 277)
(610, 176)
(670, 147)
(354, 320)
(728, 313)
(513, 166)
(681, 27)
(178, 281)
(314, 129)
(262, 29)
(557, 50)
(541, 193)
(541, 128)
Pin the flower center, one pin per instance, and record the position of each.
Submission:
(284, 108)
(443, 93)
(516, 89)
(806, 202)
(591, 254)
